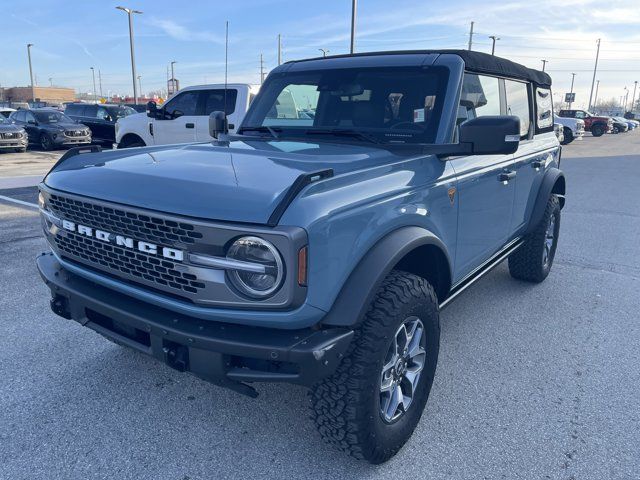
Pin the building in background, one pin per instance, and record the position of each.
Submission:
(44, 95)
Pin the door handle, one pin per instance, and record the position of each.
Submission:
(504, 177)
(189, 125)
(537, 164)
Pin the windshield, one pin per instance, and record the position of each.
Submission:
(52, 116)
(383, 105)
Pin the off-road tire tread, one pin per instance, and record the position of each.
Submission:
(337, 403)
(526, 262)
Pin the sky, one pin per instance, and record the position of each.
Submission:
(70, 36)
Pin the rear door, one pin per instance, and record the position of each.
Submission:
(212, 101)
(179, 124)
(485, 183)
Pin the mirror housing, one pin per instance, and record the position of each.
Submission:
(491, 135)
(152, 109)
(218, 124)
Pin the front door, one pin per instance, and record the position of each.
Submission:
(179, 124)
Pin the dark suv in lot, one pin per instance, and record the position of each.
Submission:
(101, 119)
(316, 248)
(50, 128)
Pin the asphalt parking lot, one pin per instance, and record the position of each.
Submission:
(533, 382)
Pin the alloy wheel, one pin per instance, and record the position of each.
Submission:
(549, 239)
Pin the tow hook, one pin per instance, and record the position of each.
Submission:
(176, 356)
(60, 306)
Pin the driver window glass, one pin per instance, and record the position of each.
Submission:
(480, 97)
(29, 117)
(21, 117)
(184, 104)
(102, 114)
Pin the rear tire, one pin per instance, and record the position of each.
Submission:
(616, 129)
(568, 136)
(597, 130)
(354, 409)
(533, 260)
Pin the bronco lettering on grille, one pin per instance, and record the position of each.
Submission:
(121, 241)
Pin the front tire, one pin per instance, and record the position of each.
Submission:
(533, 260)
(371, 405)
(21, 150)
(45, 142)
(568, 136)
(597, 130)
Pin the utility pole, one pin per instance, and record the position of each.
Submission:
(493, 45)
(50, 82)
(626, 97)
(174, 84)
(633, 99)
(279, 49)
(595, 98)
(595, 70)
(130, 12)
(471, 36)
(354, 7)
(140, 86)
(95, 94)
(544, 64)
(100, 82)
(33, 91)
(573, 76)
(261, 70)
(324, 51)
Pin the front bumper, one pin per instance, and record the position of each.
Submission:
(13, 143)
(225, 354)
(62, 139)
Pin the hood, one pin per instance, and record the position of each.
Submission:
(10, 128)
(56, 127)
(243, 182)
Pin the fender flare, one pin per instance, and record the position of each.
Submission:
(553, 182)
(358, 291)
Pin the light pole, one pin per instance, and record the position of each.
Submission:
(633, 99)
(324, 51)
(595, 97)
(595, 71)
(493, 45)
(626, 97)
(354, 8)
(544, 63)
(129, 12)
(174, 84)
(33, 91)
(573, 77)
(95, 94)
(140, 86)
(50, 82)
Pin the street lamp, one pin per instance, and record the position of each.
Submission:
(129, 12)
(95, 95)
(354, 9)
(633, 99)
(544, 63)
(174, 84)
(140, 86)
(493, 45)
(324, 51)
(573, 77)
(33, 92)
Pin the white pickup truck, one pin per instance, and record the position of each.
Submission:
(184, 118)
(573, 128)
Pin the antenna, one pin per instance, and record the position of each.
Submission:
(226, 64)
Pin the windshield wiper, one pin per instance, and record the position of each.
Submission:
(344, 132)
(263, 128)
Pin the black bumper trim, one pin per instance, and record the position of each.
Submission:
(224, 354)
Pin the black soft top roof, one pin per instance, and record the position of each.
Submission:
(474, 61)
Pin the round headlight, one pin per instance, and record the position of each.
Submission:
(264, 258)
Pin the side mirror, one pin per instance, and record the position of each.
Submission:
(152, 110)
(32, 122)
(218, 124)
(491, 135)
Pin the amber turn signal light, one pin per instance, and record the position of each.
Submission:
(302, 266)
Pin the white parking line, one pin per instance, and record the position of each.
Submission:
(19, 202)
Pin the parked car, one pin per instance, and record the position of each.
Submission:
(573, 128)
(6, 111)
(559, 131)
(184, 118)
(101, 119)
(317, 251)
(50, 128)
(597, 125)
(620, 125)
(138, 107)
(12, 137)
(629, 123)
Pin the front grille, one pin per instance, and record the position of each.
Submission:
(141, 227)
(75, 133)
(8, 135)
(119, 260)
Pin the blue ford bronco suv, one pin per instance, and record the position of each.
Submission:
(360, 196)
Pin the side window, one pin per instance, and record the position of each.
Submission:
(20, 116)
(518, 104)
(480, 97)
(184, 104)
(214, 100)
(29, 117)
(578, 114)
(102, 114)
(544, 109)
